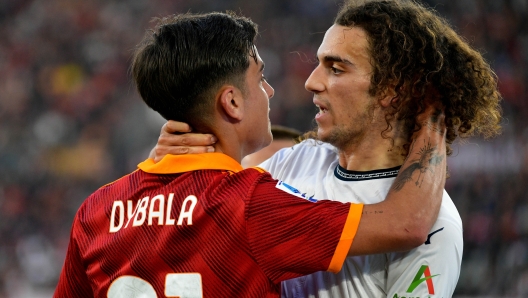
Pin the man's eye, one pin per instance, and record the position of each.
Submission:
(263, 78)
(335, 70)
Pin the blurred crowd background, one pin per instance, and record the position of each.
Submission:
(71, 121)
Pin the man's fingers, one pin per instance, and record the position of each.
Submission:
(152, 153)
(189, 139)
(175, 139)
(160, 151)
(172, 126)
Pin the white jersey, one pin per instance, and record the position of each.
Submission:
(431, 270)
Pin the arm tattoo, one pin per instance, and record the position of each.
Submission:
(372, 212)
(428, 157)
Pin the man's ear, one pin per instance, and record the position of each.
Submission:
(231, 102)
(388, 97)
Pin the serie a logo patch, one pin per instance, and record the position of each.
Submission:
(294, 191)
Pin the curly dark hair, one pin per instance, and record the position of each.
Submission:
(416, 52)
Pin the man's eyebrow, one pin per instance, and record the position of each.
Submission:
(330, 58)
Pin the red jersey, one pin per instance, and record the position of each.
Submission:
(200, 226)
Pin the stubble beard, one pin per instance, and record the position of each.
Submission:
(346, 135)
(342, 137)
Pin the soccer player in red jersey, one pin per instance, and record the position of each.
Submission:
(200, 225)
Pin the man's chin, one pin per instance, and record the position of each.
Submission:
(330, 137)
(322, 135)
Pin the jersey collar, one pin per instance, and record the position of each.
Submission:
(347, 175)
(171, 164)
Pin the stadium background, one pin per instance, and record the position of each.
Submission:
(71, 121)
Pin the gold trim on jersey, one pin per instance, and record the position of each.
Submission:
(347, 236)
(171, 164)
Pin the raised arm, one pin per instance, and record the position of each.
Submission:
(404, 219)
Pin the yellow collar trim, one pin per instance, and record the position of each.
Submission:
(171, 164)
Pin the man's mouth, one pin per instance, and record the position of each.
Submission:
(321, 109)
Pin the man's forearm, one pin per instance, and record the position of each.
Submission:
(402, 221)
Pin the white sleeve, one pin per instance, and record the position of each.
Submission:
(430, 270)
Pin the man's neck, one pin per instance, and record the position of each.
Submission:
(373, 155)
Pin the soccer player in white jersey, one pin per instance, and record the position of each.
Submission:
(377, 66)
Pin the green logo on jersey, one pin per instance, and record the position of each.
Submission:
(424, 271)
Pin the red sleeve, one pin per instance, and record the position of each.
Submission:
(290, 236)
(73, 281)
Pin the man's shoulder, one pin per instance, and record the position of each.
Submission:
(306, 155)
(312, 145)
(138, 181)
(306, 148)
(252, 173)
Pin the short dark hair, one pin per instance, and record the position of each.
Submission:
(180, 64)
(416, 51)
